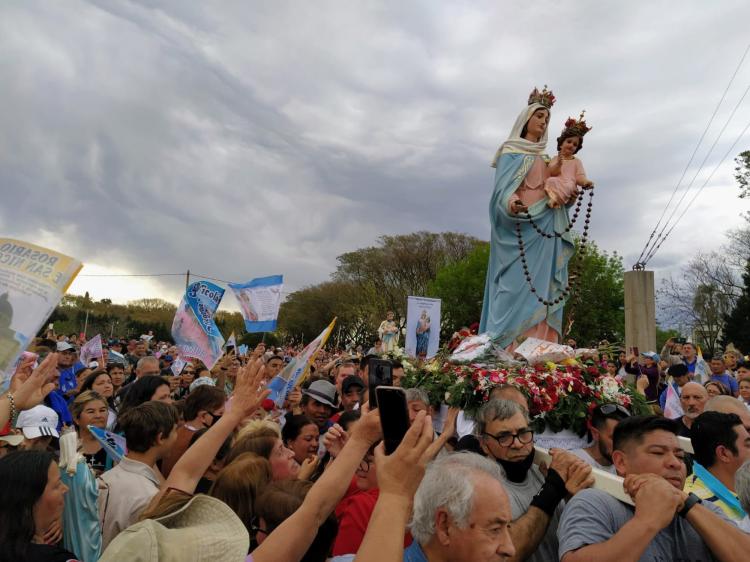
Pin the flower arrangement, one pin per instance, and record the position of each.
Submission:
(560, 396)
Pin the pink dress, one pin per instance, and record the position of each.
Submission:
(529, 192)
(561, 188)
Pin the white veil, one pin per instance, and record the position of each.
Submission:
(520, 145)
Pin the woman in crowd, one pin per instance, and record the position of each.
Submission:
(301, 436)
(278, 502)
(101, 383)
(354, 511)
(715, 388)
(239, 484)
(145, 389)
(266, 443)
(186, 378)
(90, 408)
(32, 498)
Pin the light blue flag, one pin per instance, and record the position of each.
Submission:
(243, 349)
(114, 444)
(259, 301)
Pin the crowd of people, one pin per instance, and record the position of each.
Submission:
(214, 470)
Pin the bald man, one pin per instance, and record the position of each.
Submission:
(729, 405)
(693, 400)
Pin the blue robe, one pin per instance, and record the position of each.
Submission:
(510, 308)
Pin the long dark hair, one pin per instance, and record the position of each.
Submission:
(140, 391)
(24, 476)
(293, 427)
(88, 384)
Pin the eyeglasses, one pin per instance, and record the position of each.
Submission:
(364, 465)
(186, 372)
(609, 409)
(506, 438)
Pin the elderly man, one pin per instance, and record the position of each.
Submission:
(721, 444)
(666, 524)
(729, 405)
(461, 512)
(693, 401)
(505, 436)
(465, 425)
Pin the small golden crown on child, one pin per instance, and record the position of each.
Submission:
(577, 127)
(545, 97)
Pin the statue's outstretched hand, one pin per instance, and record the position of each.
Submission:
(519, 207)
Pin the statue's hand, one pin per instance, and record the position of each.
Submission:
(519, 207)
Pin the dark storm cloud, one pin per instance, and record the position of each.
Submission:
(241, 139)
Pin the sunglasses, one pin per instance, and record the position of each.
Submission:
(608, 409)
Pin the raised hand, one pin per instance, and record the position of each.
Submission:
(29, 390)
(335, 439)
(307, 469)
(656, 500)
(248, 395)
(367, 428)
(400, 473)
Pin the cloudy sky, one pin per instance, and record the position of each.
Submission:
(241, 139)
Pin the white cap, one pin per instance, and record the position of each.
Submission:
(65, 346)
(39, 421)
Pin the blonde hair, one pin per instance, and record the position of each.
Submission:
(81, 400)
(257, 426)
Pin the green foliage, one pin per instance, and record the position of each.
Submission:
(460, 286)
(663, 335)
(742, 173)
(737, 322)
(598, 305)
(370, 281)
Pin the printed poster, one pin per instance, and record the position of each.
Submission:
(33, 280)
(422, 327)
(259, 301)
(193, 330)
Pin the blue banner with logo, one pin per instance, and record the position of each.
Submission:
(194, 331)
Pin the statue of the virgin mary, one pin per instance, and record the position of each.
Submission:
(525, 298)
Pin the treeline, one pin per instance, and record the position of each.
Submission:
(366, 284)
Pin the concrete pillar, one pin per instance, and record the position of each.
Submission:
(640, 311)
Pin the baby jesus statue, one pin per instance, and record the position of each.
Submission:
(566, 171)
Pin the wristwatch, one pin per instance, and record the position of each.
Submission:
(691, 500)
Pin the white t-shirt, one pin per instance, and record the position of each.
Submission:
(583, 455)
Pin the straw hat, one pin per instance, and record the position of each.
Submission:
(203, 530)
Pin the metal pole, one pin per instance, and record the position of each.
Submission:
(187, 279)
(86, 325)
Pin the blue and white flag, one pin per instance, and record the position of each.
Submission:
(113, 444)
(177, 366)
(259, 300)
(194, 331)
(243, 349)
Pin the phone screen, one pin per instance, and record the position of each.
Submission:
(379, 373)
(394, 416)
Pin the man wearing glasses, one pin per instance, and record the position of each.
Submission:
(602, 425)
(502, 427)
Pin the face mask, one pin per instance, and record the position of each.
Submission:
(516, 471)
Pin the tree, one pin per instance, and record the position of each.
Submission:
(401, 265)
(597, 306)
(698, 299)
(742, 173)
(460, 287)
(737, 322)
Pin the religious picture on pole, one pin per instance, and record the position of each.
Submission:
(92, 351)
(422, 327)
(32, 282)
(259, 301)
(194, 331)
